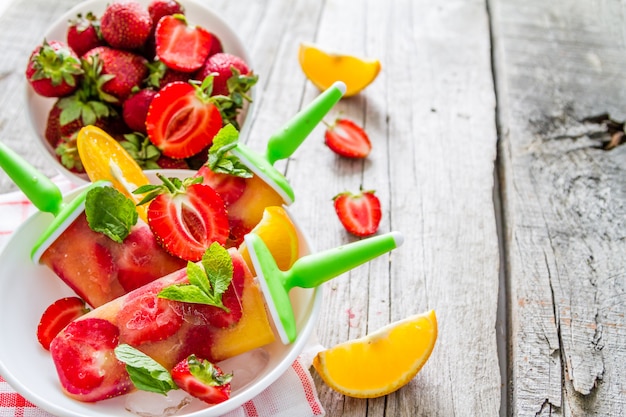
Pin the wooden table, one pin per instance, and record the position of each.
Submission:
(489, 124)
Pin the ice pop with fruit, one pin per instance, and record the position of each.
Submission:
(94, 265)
(213, 310)
(247, 180)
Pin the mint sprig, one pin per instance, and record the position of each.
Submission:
(145, 373)
(208, 280)
(110, 212)
(220, 160)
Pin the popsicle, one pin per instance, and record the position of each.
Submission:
(94, 266)
(246, 197)
(169, 330)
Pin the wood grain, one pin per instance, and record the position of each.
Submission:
(564, 203)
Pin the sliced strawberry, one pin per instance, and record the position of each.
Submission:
(186, 217)
(346, 138)
(229, 187)
(144, 317)
(182, 120)
(359, 213)
(58, 315)
(201, 379)
(84, 358)
(180, 46)
(136, 264)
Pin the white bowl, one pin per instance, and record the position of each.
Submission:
(197, 13)
(27, 289)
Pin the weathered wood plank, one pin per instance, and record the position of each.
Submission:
(558, 64)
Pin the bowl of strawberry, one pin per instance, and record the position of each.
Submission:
(160, 76)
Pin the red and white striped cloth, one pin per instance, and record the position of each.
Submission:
(293, 394)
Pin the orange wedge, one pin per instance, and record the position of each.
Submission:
(323, 69)
(381, 362)
(105, 159)
(279, 235)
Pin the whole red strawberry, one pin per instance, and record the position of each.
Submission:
(160, 8)
(360, 213)
(203, 380)
(123, 70)
(53, 69)
(135, 109)
(126, 25)
(83, 33)
(220, 65)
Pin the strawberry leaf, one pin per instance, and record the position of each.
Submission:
(146, 373)
(207, 281)
(206, 372)
(110, 212)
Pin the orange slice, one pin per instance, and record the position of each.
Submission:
(323, 69)
(105, 159)
(279, 234)
(381, 362)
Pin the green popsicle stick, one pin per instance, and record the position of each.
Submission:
(308, 272)
(284, 142)
(39, 189)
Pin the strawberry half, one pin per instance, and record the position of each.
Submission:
(201, 379)
(58, 315)
(182, 120)
(347, 139)
(185, 216)
(180, 46)
(359, 213)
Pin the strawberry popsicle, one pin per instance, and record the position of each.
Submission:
(165, 329)
(246, 180)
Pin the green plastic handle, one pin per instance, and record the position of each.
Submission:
(283, 143)
(308, 272)
(39, 189)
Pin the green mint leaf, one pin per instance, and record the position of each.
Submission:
(220, 160)
(218, 266)
(186, 293)
(110, 212)
(146, 373)
(207, 280)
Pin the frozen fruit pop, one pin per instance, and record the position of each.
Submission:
(170, 329)
(164, 329)
(246, 198)
(94, 266)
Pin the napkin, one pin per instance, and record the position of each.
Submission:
(293, 393)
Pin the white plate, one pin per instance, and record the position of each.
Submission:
(197, 14)
(27, 289)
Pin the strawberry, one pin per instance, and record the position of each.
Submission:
(58, 315)
(122, 71)
(144, 317)
(135, 109)
(83, 33)
(126, 25)
(53, 69)
(180, 46)
(347, 139)
(185, 216)
(81, 352)
(201, 379)
(182, 120)
(159, 8)
(165, 162)
(229, 187)
(359, 213)
(221, 66)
